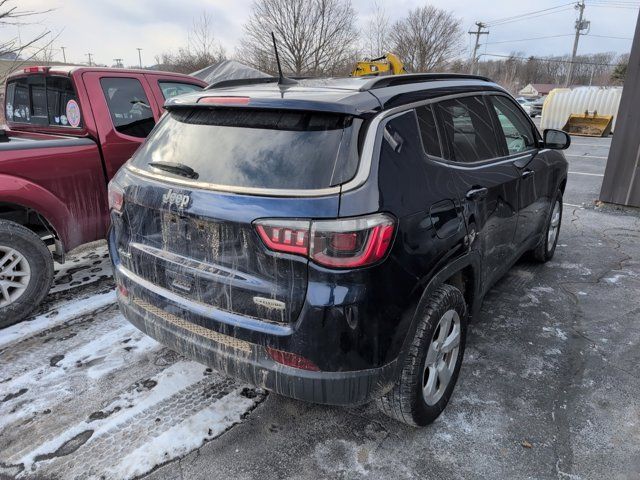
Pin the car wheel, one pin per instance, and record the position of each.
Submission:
(432, 365)
(26, 272)
(547, 247)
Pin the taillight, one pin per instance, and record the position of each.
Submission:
(292, 360)
(341, 243)
(116, 197)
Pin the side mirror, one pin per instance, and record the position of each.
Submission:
(556, 139)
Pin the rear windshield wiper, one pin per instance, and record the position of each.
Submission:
(176, 168)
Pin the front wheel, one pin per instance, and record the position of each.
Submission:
(26, 272)
(547, 247)
(433, 362)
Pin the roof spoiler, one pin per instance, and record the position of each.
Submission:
(395, 80)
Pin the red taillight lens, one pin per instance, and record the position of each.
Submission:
(292, 360)
(116, 197)
(36, 69)
(342, 243)
(290, 236)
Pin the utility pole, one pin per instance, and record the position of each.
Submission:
(64, 56)
(581, 25)
(118, 63)
(477, 33)
(139, 57)
(89, 55)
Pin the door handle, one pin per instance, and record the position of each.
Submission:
(476, 193)
(527, 173)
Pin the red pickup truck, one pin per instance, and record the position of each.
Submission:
(69, 130)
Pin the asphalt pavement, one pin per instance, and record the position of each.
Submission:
(549, 386)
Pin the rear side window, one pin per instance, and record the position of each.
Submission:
(43, 100)
(256, 148)
(468, 130)
(128, 105)
(515, 128)
(428, 130)
(172, 89)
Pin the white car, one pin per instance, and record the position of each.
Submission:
(525, 104)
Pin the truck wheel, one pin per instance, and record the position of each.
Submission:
(547, 246)
(26, 272)
(431, 367)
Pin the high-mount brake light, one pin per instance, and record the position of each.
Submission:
(36, 70)
(341, 243)
(225, 100)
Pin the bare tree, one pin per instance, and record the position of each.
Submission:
(314, 36)
(427, 39)
(12, 16)
(201, 51)
(377, 32)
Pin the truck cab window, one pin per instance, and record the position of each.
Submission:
(41, 100)
(172, 89)
(129, 106)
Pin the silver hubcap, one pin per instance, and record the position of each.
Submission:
(442, 356)
(554, 226)
(15, 275)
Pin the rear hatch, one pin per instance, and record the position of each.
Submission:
(205, 175)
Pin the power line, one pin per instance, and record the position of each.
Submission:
(529, 39)
(522, 16)
(550, 60)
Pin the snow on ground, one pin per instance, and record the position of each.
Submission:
(84, 394)
(86, 264)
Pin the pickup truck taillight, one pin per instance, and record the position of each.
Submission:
(341, 243)
(116, 197)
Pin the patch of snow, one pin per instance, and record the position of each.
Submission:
(179, 440)
(542, 290)
(614, 279)
(63, 312)
(556, 331)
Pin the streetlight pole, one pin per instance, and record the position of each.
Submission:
(139, 57)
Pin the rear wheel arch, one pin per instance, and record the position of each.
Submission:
(27, 217)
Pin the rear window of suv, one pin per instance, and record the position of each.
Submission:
(271, 149)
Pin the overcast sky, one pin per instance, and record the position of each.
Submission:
(114, 28)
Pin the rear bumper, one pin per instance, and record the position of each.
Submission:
(250, 362)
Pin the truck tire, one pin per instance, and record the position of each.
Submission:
(26, 272)
(547, 247)
(432, 365)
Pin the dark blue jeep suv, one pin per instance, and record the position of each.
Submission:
(329, 240)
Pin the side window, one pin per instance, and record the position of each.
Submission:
(172, 89)
(428, 131)
(129, 106)
(468, 130)
(59, 93)
(516, 129)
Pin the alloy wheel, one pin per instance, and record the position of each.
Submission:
(442, 356)
(554, 226)
(15, 275)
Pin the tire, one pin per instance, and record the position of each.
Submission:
(33, 269)
(406, 401)
(547, 247)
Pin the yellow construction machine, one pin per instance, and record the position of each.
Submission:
(388, 64)
(589, 124)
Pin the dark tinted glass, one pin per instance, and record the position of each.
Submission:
(260, 149)
(128, 105)
(516, 129)
(39, 100)
(467, 128)
(171, 89)
(428, 130)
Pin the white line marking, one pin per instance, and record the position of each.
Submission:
(592, 144)
(572, 205)
(590, 174)
(585, 156)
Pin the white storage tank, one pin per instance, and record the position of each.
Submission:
(562, 102)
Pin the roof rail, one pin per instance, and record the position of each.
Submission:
(248, 81)
(394, 80)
